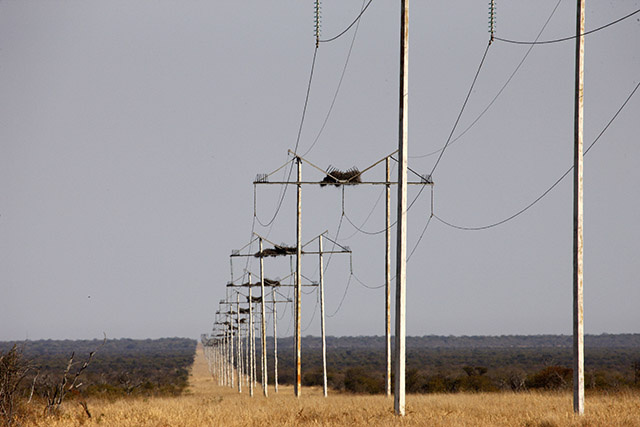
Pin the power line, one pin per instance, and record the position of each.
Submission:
(306, 99)
(304, 112)
(424, 230)
(364, 284)
(499, 92)
(350, 25)
(315, 309)
(571, 37)
(458, 227)
(335, 95)
(475, 78)
(370, 212)
(373, 233)
(343, 297)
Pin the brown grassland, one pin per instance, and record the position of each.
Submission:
(207, 404)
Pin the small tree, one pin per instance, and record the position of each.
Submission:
(13, 370)
(56, 393)
(550, 378)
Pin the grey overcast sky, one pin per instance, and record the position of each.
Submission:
(131, 132)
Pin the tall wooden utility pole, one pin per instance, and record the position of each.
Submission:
(298, 339)
(263, 326)
(401, 249)
(578, 313)
(387, 278)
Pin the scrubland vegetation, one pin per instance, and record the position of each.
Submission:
(205, 403)
(459, 364)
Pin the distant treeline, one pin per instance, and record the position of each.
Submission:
(118, 367)
(501, 341)
(473, 363)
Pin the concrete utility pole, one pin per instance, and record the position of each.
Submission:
(387, 278)
(231, 355)
(263, 179)
(275, 340)
(578, 313)
(247, 368)
(401, 249)
(239, 368)
(263, 326)
(324, 339)
(298, 292)
(252, 372)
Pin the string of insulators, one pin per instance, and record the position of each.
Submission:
(317, 21)
(492, 19)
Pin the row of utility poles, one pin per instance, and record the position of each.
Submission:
(331, 178)
(224, 344)
(225, 359)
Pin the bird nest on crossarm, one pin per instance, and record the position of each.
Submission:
(337, 177)
(277, 250)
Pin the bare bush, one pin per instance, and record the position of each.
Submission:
(55, 393)
(13, 370)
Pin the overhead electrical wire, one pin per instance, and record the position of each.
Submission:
(521, 211)
(359, 228)
(335, 95)
(370, 212)
(424, 230)
(499, 92)
(364, 284)
(350, 25)
(374, 233)
(464, 104)
(570, 37)
(343, 297)
(304, 112)
(315, 309)
(410, 254)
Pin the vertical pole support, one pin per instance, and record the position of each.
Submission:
(578, 313)
(387, 279)
(401, 250)
(263, 327)
(298, 292)
(322, 326)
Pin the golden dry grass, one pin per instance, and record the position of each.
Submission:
(207, 404)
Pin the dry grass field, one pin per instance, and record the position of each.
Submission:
(207, 404)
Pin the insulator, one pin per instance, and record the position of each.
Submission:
(492, 18)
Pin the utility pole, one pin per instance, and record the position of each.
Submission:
(263, 326)
(401, 249)
(263, 179)
(578, 211)
(239, 368)
(275, 340)
(387, 279)
(324, 339)
(298, 292)
(247, 369)
(251, 342)
(231, 362)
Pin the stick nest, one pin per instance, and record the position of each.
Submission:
(267, 282)
(337, 177)
(277, 250)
